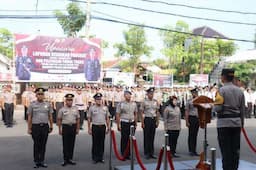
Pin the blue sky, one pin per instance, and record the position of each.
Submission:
(112, 32)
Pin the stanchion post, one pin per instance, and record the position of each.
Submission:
(213, 158)
(131, 147)
(166, 143)
(110, 144)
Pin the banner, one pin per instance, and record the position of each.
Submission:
(198, 80)
(55, 59)
(163, 80)
(121, 78)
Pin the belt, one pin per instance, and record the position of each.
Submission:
(71, 124)
(153, 117)
(79, 104)
(127, 120)
(232, 115)
(103, 125)
(41, 124)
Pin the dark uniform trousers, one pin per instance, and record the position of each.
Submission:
(9, 108)
(25, 113)
(39, 136)
(229, 141)
(149, 135)
(173, 138)
(98, 141)
(192, 133)
(112, 110)
(3, 115)
(68, 140)
(82, 116)
(125, 133)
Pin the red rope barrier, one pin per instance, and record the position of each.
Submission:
(159, 161)
(169, 157)
(137, 154)
(119, 157)
(248, 141)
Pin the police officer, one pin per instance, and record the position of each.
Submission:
(172, 123)
(150, 121)
(9, 100)
(192, 122)
(39, 114)
(230, 120)
(80, 103)
(98, 126)
(69, 124)
(126, 116)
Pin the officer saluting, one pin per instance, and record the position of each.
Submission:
(69, 124)
(39, 114)
(150, 121)
(98, 119)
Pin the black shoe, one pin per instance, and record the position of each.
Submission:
(81, 128)
(36, 165)
(94, 162)
(128, 158)
(43, 165)
(147, 157)
(64, 163)
(175, 156)
(193, 154)
(153, 156)
(102, 161)
(71, 162)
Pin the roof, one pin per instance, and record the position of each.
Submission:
(242, 56)
(207, 32)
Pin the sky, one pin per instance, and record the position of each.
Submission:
(113, 32)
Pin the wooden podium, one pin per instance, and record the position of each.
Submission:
(204, 106)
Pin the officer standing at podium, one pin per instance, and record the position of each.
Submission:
(230, 120)
(192, 122)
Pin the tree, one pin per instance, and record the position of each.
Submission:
(134, 47)
(73, 22)
(6, 42)
(188, 62)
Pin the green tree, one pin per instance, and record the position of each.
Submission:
(244, 71)
(134, 47)
(6, 42)
(188, 62)
(72, 22)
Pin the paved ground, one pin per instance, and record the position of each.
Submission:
(16, 146)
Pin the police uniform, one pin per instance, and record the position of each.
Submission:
(150, 117)
(58, 103)
(39, 114)
(79, 102)
(230, 120)
(68, 123)
(9, 100)
(126, 116)
(192, 120)
(172, 123)
(98, 119)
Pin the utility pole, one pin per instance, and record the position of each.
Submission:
(88, 19)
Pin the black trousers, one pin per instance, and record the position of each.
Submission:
(68, 141)
(9, 108)
(39, 136)
(25, 113)
(98, 142)
(229, 142)
(3, 115)
(173, 138)
(125, 133)
(82, 114)
(149, 135)
(192, 133)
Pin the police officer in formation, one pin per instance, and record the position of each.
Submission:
(192, 122)
(40, 123)
(150, 121)
(98, 126)
(126, 116)
(230, 120)
(172, 123)
(69, 125)
(80, 103)
(9, 102)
